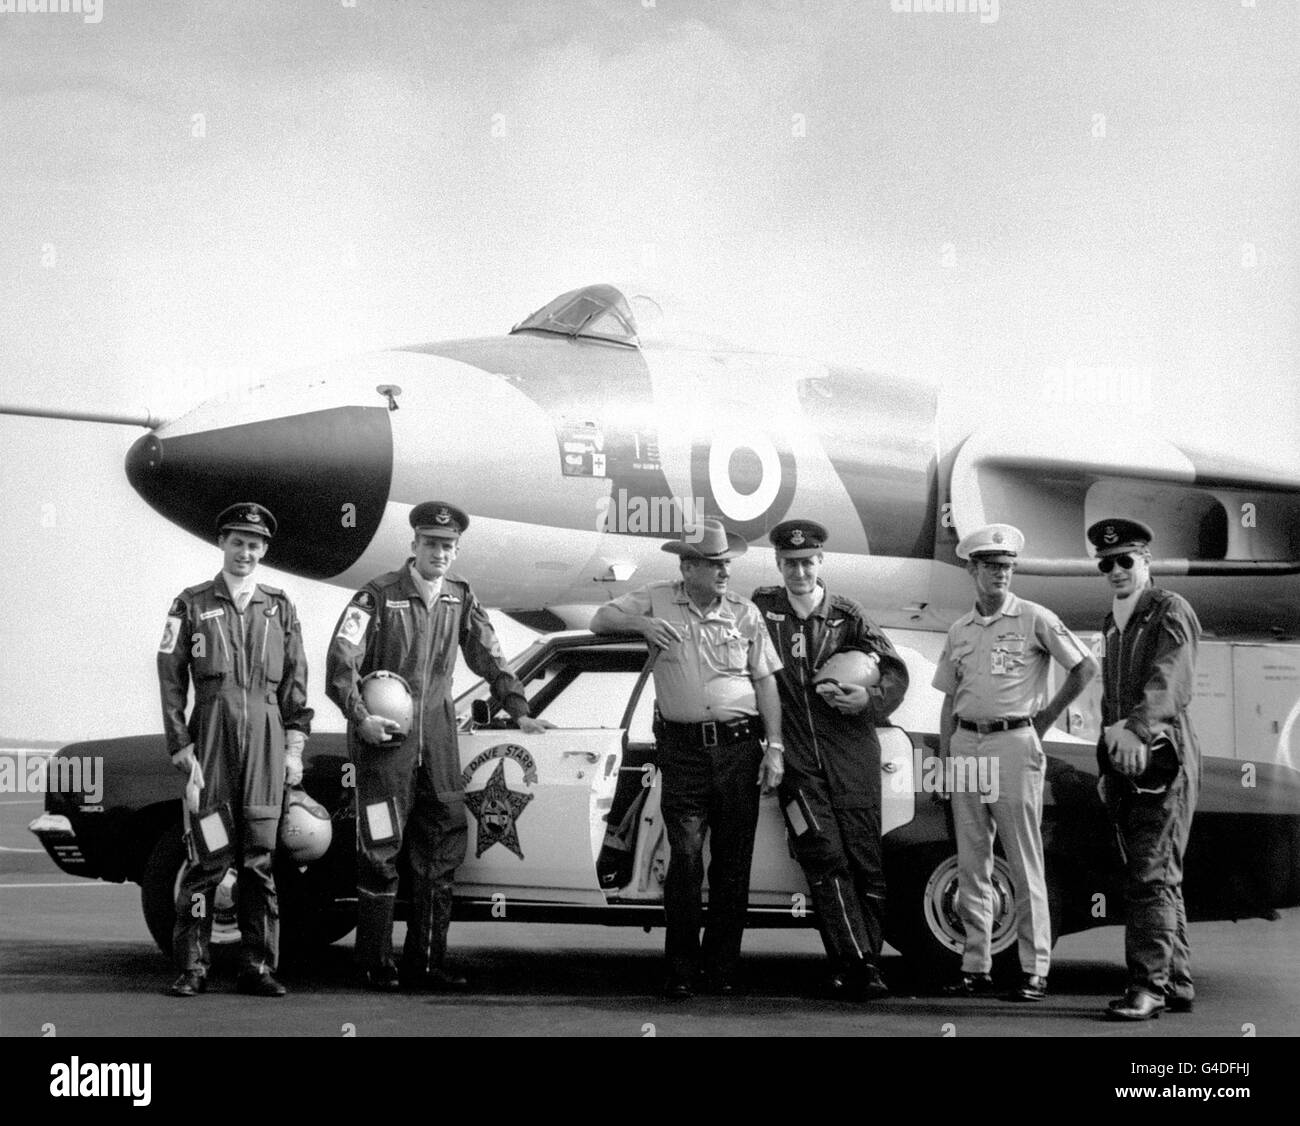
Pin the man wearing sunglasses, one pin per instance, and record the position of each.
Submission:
(993, 673)
(1150, 764)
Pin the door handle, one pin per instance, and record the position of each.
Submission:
(591, 756)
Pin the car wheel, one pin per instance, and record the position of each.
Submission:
(160, 886)
(922, 921)
(310, 914)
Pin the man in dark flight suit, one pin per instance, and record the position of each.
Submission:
(1150, 765)
(241, 645)
(831, 792)
(411, 621)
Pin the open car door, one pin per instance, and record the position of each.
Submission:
(537, 804)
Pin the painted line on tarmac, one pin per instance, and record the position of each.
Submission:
(69, 884)
(24, 801)
(6, 848)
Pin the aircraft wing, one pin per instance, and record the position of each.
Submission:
(1211, 515)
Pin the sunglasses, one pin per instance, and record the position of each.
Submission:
(1107, 565)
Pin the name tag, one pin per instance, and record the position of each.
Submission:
(399, 604)
(999, 657)
(217, 613)
(772, 616)
(449, 598)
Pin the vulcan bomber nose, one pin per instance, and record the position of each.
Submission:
(325, 474)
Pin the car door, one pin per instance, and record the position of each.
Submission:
(537, 804)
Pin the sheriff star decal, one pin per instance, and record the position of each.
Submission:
(496, 807)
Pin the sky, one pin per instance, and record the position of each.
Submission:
(196, 194)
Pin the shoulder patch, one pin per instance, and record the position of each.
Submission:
(364, 600)
(356, 621)
(171, 631)
(177, 608)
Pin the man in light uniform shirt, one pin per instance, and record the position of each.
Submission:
(993, 673)
(713, 681)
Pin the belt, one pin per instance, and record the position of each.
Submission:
(715, 733)
(989, 726)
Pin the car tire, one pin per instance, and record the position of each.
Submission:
(921, 921)
(158, 884)
(304, 925)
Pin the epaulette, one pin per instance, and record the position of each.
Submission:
(844, 602)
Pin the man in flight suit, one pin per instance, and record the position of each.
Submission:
(1150, 764)
(241, 645)
(716, 702)
(831, 792)
(411, 621)
(993, 673)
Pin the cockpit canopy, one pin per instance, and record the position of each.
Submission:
(594, 312)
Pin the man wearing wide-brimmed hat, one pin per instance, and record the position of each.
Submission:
(717, 704)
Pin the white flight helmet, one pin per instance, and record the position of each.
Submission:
(305, 829)
(387, 695)
(849, 667)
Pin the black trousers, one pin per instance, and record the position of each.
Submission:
(708, 792)
(839, 850)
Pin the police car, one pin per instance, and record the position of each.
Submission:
(565, 826)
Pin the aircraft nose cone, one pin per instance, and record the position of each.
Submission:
(325, 475)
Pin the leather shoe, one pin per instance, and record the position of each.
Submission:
(260, 983)
(380, 979)
(717, 985)
(436, 980)
(1137, 1004)
(677, 990)
(864, 984)
(1033, 987)
(970, 985)
(191, 982)
(1174, 1003)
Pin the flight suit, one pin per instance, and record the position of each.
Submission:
(996, 671)
(414, 789)
(831, 792)
(1148, 676)
(250, 686)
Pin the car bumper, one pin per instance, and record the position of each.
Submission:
(56, 835)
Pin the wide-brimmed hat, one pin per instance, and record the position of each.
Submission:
(708, 540)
